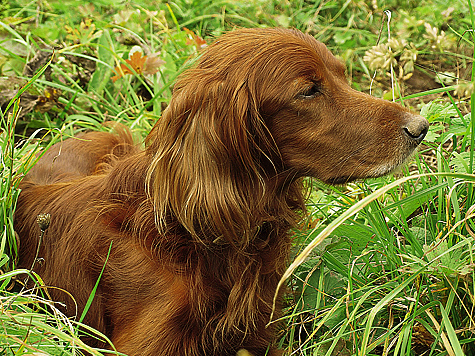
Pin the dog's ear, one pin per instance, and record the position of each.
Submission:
(211, 160)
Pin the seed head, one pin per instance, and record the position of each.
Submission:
(43, 221)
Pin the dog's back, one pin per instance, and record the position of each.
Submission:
(86, 154)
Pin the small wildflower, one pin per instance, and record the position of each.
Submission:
(43, 221)
(448, 12)
(464, 89)
(397, 45)
(48, 100)
(395, 53)
(379, 57)
(437, 40)
(83, 34)
(445, 78)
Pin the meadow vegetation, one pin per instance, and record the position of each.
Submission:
(381, 267)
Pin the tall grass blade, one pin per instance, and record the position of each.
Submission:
(349, 213)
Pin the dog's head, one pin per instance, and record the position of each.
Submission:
(267, 103)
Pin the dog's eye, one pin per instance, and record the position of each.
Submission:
(311, 91)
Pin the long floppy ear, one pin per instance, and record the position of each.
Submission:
(211, 158)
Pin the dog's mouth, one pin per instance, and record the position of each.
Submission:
(375, 172)
(340, 180)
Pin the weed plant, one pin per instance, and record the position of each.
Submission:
(381, 267)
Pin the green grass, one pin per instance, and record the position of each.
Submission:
(381, 267)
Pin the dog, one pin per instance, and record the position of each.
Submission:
(192, 232)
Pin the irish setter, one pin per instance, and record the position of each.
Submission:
(198, 222)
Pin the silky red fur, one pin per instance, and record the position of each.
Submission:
(199, 220)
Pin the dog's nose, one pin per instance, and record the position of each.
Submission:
(415, 127)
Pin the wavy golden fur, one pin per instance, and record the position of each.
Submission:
(199, 220)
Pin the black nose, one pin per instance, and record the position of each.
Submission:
(415, 127)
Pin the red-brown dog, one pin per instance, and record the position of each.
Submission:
(199, 220)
